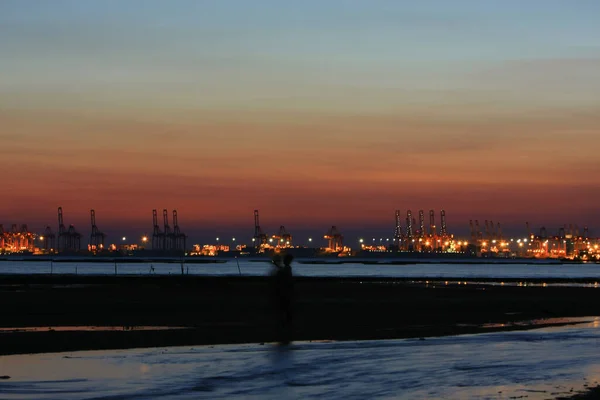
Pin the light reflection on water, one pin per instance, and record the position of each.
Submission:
(539, 364)
(79, 328)
(590, 272)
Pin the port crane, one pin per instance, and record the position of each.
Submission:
(284, 239)
(96, 237)
(167, 234)
(398, 234)
(68, 239)
(260, 238)
(335, 239)
(179, 238)
(49, 240)
(157, 235)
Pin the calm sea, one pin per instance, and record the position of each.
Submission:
(250, 268)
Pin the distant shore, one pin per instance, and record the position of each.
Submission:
(375, 258)
(219, 310)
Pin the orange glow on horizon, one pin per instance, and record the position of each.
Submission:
(353, 170)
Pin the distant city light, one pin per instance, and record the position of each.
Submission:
(144, 239)
(124, 238)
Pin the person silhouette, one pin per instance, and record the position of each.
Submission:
(283, 294)
(287, 289)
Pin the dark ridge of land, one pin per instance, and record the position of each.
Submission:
(241, 310)
(592, 393)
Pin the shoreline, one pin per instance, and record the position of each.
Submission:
(589, 393)
(230, 309)
(375, 258)
(49, 340)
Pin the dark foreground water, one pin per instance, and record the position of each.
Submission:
(536, 364)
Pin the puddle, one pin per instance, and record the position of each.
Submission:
(88, 328)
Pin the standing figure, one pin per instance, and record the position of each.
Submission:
(283, 290)
(287, 293)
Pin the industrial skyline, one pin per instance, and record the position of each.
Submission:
(410, 232)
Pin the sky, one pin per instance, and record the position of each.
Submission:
(316, 113)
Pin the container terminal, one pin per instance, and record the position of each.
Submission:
(413, 237)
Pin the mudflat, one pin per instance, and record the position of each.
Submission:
(211, 310)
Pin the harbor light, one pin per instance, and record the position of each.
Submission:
(124, 238)
(144, 239)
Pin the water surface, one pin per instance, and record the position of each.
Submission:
(535, 364)
(432, 270)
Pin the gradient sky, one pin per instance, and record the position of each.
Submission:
(315, 112)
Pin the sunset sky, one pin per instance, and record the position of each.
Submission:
(317, 113)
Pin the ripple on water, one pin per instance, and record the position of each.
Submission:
(533, 363)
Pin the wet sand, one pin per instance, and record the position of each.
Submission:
(219, 310)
